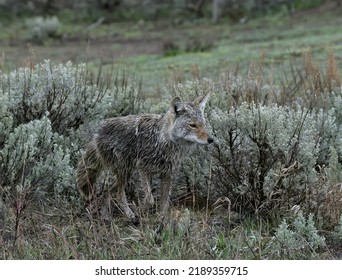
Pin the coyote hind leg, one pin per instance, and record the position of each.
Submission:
(122, 181)
(88, 169)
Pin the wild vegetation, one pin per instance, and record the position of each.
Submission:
(268, 188)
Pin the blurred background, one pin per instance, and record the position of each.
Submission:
(112, 30)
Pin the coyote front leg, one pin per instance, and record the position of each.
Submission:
(165, 194)
(145, 179)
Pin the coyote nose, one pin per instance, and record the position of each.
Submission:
(210, 139)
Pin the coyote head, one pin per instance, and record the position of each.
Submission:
(188, 121)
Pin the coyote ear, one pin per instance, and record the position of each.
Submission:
(201, 101)
(177, 105)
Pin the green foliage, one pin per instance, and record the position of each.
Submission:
(66, 94)
(334, 172)
(32, 160)
(296, 240)
(307, 4)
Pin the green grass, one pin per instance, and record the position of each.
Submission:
(243, 44)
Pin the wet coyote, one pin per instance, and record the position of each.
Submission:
(148, 143)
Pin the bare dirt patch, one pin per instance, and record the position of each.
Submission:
(108, 50)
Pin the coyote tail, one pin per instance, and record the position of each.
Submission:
(88, 169)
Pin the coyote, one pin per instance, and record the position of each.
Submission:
(150, 144)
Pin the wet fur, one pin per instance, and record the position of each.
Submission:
(149, 143)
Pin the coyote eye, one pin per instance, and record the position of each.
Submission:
(193, 125)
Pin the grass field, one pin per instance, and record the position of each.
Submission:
(160, 55)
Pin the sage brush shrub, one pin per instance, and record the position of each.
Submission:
(271, 157)
(267, 158)
(47, 114)
(297, 239)
(63, 92)
(33, 161)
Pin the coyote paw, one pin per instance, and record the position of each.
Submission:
(163, 220)
(129, 214)
(148, 201)
(135, 221)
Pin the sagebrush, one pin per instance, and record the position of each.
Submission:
(277, 148)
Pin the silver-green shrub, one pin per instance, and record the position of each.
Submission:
(267, 158)
(62, 92)
(47, 114)
(33, 161)
(297, 239)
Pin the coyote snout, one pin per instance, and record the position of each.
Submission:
(199, 135)
(149, 143)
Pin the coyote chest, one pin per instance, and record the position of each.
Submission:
(160, 155)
